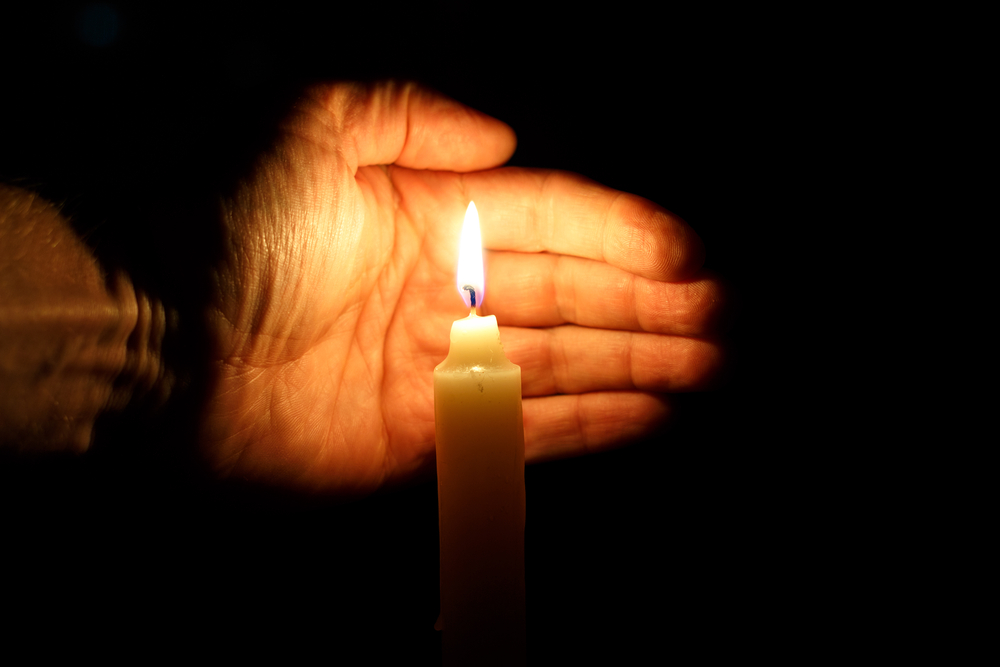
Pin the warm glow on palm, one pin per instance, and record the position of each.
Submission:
(337, 299)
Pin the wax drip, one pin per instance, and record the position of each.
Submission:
(472, 293)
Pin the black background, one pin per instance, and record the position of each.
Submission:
(708, 537)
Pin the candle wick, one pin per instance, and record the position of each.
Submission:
(472, 293)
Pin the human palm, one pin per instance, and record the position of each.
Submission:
(337, 294)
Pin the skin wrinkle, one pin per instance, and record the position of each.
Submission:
(690, 306)
(226, 465)
(645, 317)
(463, 187)
(252, 425)
(661, 308)
(328, 120)
(548, 182)
(243, 415)
(629, 284)
(277, 253)
(541, 222)
(629, 361)
(407, 93)
(389, 452)
(247, 309)
(246, 376)
(353, 160)
(562, 361)
(379, 378)
(607, 228)
(327, 443)
(240, 415)
(292, 422)
(565, 289)
(345, 117)
(579, 428)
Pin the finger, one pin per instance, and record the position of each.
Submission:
(564, 426)
(545, 290)
(405, 124)
(558, 212)
(574, 360)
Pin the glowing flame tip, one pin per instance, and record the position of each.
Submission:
(469, 277)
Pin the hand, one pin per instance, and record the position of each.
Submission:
(336, 298)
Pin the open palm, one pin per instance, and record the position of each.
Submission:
(336, 297)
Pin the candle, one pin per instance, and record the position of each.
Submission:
(480, 471)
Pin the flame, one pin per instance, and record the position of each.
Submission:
(470, 259)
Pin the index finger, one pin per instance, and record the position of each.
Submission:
(531, 210)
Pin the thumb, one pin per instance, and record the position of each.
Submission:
(404, 124)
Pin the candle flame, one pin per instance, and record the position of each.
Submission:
(469, 278)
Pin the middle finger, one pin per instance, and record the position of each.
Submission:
(544, 290)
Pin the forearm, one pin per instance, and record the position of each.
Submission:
(75, 343)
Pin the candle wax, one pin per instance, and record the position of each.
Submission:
(481, 501)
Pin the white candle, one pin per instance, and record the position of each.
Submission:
(480, 471)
